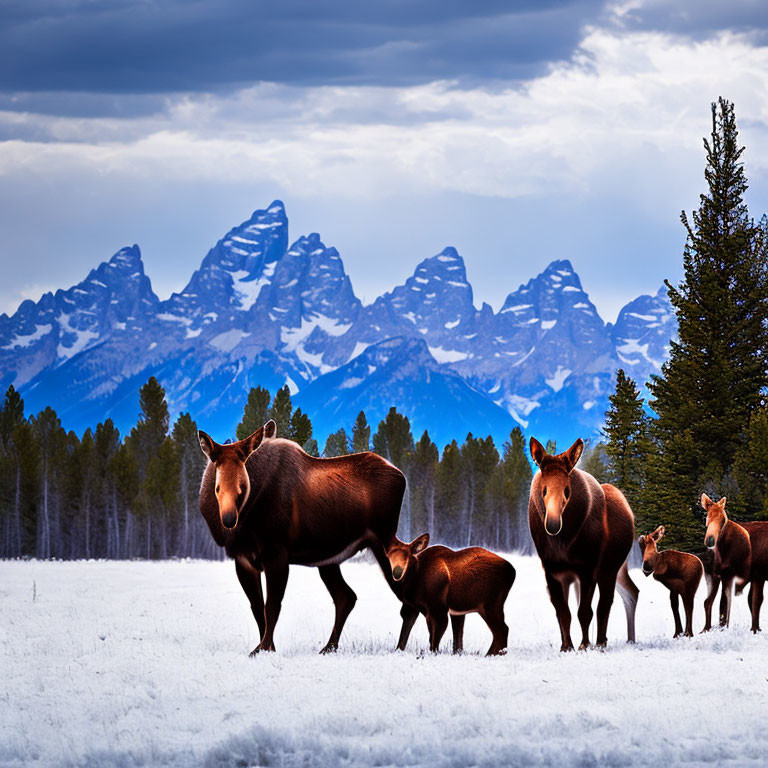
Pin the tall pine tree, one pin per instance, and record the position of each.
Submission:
(712, 381)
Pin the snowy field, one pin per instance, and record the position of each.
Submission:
(133, 663)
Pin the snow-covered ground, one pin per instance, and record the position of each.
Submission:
(132, 663)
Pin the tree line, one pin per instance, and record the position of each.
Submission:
(104, 495)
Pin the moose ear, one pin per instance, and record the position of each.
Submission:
(419, 543)
(659, 533)
(641, 543)
(270, 429)
(573, 454)
(247, 446)
(721, 503)
(537, 451)
(706, 502)
(207, 445)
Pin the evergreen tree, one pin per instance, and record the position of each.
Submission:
(449, 501)
(11, 419)
(191, 463)
(361, 434)
(422, 478)
(301, 427)
(337, 444)
(596, 462)
(255, 413)
(393, 439)
(516, 475)
(281, 412)
(712, 381)
(627, 432)
(751, 466)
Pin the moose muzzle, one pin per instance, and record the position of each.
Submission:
(553, 522)
(229, 519)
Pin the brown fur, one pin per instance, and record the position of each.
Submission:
(438, 582)
(297, 510)
(583, 532)
(741, 557)
(679, 572)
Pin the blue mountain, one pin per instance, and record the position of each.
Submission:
(262, 310)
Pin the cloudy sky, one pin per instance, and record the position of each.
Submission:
(519, 132)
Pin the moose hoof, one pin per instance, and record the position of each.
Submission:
(601, 644)
(565, 647)
(262, 649)
(329, 648)
(497, 652)
(584, 645)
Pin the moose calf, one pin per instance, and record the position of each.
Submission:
(679, 572)
(438, 581)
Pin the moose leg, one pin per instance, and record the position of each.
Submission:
(714, 584)
(755, 601)
(344, 600)
(438, 623)
(559, 598)
(725, 602)
(409, 615)
(629, 592)
(457, 624)
(607, 588)
(250, 580)
(277, 578)
(674, 600)
(688, 605)
(494, 618)
(586, 593)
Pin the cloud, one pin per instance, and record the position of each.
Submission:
(629, 103)
(116, 46)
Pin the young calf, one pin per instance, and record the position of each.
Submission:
(438, 582)
(679, 572)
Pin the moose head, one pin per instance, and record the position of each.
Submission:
(555, 483)
(401, 555)
(649, 549)
(716, 519)
(232, 483)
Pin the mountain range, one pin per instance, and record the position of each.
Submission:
(259, 311)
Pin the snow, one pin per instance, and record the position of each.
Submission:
(646, 318)
(248, 290)
(571, 289)
(133, 663)
(360, 347)
(547, 324)
(228, 340)
(516, 308)
(447, 355)
(82, 338)
(452, 324)
(24, 340)
(558, 378)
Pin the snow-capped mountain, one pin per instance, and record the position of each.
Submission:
(261, 312)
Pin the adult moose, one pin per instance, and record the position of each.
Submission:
(270, 504)
(583, 532)
(741, 556)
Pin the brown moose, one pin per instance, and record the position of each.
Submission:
(270, 504)
(438, 582)
(583, 532)
(741, 556)
(679, 572)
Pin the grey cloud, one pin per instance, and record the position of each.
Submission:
(121, 47)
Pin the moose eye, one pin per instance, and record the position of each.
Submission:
(218, 488)
(567, 492)
(544, 492)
